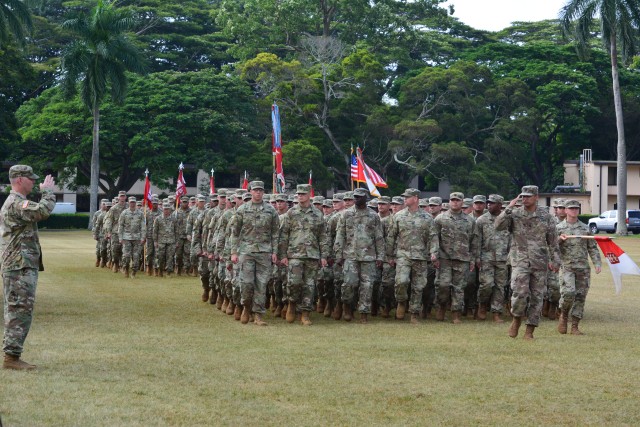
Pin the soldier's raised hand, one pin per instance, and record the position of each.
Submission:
(47, 184)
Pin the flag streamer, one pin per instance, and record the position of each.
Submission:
(278, 170)
(619, 262)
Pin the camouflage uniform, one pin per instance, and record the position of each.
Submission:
(359, 241)
(111, 226)
(493, 254)
(457, 249)
(223, 250)
(99, 235)
(95, 232)
(303, 241)
(195, 246)
(254, 238)
(149, 246)
(411, 242)
(183, 249)
(132, 231)
(165, 235)
(21, 260)
(533, 237)
(332, 225)
(387, 279)
(575, 271)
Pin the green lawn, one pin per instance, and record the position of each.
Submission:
(148, 352)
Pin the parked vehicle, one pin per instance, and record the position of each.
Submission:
(607, 221)
(64, 208)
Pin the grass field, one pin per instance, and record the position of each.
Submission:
(147, 352)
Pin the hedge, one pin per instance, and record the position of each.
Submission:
(586, 217)
(65, 221)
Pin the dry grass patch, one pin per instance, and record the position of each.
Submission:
(147, 352)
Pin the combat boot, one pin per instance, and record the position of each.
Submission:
(115, 267)
(133, 273)
(305, 319)
(103, 264)
(194, 271)
(552, 311)
(337, 312)
(385, 312)
(496, 318)
(98, 262)
(455, 317)
(125, 271)
(168, 273)
(219, 301)
(441, 312)
(346, 310)
(482, 311)
(291, 312)
(237, 313)
(149, 271)
(246, 313)
(321, 305)
(545, 308)
(515, 326)
(205, 294)
(273, 304)
(225, 304)
(179, 271)
(364, 318)
(258, 320)
(278, 312)
(160, 273)
(562, 322)
(14, 362)
(400, 310)
(528, 334)
(109, 265)
(414, 319)
(574, 326)
(213, 297)
(231, 308)
(327, 308)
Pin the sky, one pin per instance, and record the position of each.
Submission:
(495, 15)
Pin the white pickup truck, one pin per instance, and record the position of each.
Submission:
(607, 221)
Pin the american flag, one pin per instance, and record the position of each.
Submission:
(360, 171)
(355, 172)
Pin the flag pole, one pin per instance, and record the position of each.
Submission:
(144, 202)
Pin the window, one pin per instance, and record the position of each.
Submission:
(612, 173)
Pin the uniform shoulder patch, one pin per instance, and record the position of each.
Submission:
(25, 204)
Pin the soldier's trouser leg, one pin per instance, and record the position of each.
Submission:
(337, 282)
(171, 252)
(574, 290)
(98, 249)
(387, 289)
(429, 292)
(527, 288)
(411, 276)
(553, 287)
(203, 271)
(487, 281)
(150, 252)
(254, 273)
(19, 298)
(452, 281)
(116, 249)
(127, 253)
(136, 253)
(161, 256)
(302, 282)
(471, 290)
(350, 281)
(497, 293)
(104, 249)
(213, 275)
(368, 276)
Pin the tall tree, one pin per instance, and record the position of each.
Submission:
(15, 20)
(99, 59)
(619, 22)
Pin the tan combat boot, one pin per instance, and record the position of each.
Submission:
(125, 272)
(98, 262)
(291, 312)
(455, 317)
(482, 312)
(213, 297)
(133, 272)
(327, 308)
(246, 313)
(545, 308)
(231, 308)
(257, 319)
(160, 273)
(400, 310)
(205, 294)
(528, 334)
(337, 312)
(364, 318)
(552, 311)
(273, 304)
(219, 301)
(103, 264)
(305, 319)
(14, 362)
(385, 312)
(278, 312)
(574, 326)
(496, 318)
(562, 322)
(115, 267)
(515, 326)
(237, 313)
(414, 319)
(441, 312)
(346, 310)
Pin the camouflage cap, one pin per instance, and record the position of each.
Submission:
(184, 199)
(423, 203)
(348, 195)
(411, 192)
(239, 193)
(479, 199)
(166, 205)
(139, 203)
(291, 198)
(360, 192)
(384, 200)
(445, 206)
(561, 203)
(397, 200)
(571, 203)
(303, 189)
(466, 202)
(529, 190)
(318, 200)
(327, 203)
(222, 192)
(192, 199)
(435, 201)
(281, 197)
(496, 198)
(132, 199)
(373, 203)
(108, 204)
(456, 195)
(213, 197)
(270, 197)
(246, 196)
(338, 197)
(201, 198)
(104, 200)
(122, 193)
(17, 171)
(256, 185)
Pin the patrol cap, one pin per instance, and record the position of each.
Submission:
(495, 198)
(184, 199)
(529, 190)
(348, 195)
(213, 197)
(222, 192)
(466, 202)
(139, 203)
(373, 203)
(192, 199)
(272, 198)
(327, 203)
(572, 204)
(132, 199)
(410, 192)
(246, 196)
(108, 204)
(397, 200)
(456, 195)
(479, 199)
(256, 185)
(281, 197)
(423, 203)
(360, 192)
(561, 203)
(384, 200)
(239, 193)
(122, 193)
(17, 171)
(291, 198)
(303, 189)
(201, 198)
(104, 200)
(166, 205)
(445, 206)
(318, 200)
(435, 201)
(338, 197)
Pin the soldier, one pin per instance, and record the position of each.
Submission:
(21, 258)
(535, 250)
(96, 228)
(195, 248)
(132, 233)
(332, 225)
(303, 247)
(209, 246)
(456, 258)
(183, 249)
(223, 253)
(552, 293)
(280, 271)
(429, 293)
(100, 230)
(397, 204)
(254, 242)
(387, 293)
(435, 206)
(575, 271)
(412, 244)
(111, 226)
(491, 261)
(478, 204)
(359, 248)
(149, 246)
(165, 238)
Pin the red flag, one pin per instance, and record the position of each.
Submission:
(619, 262)
(147, 191)
(276, 148)
(363, 170)
(311, 183)
(245, 183)
(212, 185)
(181, 188)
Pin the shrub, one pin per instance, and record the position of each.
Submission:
(65, 221)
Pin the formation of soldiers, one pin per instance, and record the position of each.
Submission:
(477, 257)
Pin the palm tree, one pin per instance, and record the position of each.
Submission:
(99, 59)
(619, 22)
(15, 20)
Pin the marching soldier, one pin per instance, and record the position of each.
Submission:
(111, 225)
(132, 233)
(183, 250)
(165, 237)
